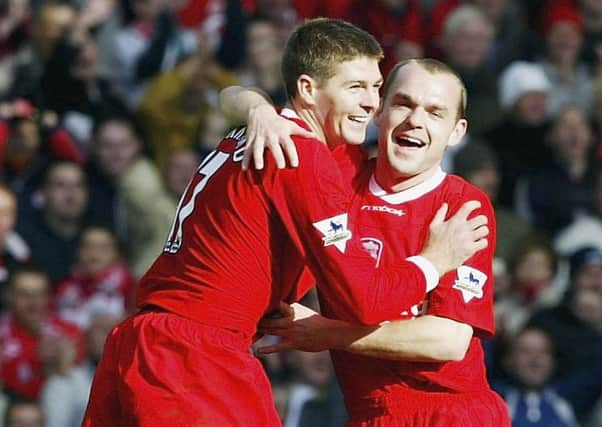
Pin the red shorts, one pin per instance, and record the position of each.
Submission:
(417, 408)
(159, 369)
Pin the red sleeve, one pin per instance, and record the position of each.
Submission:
(313, 203)
(466, 294)
(4, 133)
(63, 147)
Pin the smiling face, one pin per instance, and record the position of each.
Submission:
(418, 120)
(345, 103)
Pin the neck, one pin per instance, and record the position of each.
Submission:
(65, 228)
(394, 183)
(312, 119)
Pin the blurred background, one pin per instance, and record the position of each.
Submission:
(107, 107)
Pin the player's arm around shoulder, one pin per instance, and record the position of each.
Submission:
(266, 129)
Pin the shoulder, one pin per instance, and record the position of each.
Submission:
(465, 191)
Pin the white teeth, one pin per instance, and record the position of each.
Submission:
(412, 140)
(359, 119)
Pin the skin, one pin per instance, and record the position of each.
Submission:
(531, 358)
(29, 300)
(417, 122)
(339, 109)
(8, 213)
(97, 251)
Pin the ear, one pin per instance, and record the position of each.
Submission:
(458, 132)
(306, 88)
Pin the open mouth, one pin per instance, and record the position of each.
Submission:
(407, 141)
(359, 119)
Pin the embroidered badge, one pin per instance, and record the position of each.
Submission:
(470, 282)
(335, 231)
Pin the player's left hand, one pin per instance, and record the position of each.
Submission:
(268, 130)
(299, 328)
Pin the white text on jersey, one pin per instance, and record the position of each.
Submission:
(383, 208)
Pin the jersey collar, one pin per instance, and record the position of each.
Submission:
(409, 194)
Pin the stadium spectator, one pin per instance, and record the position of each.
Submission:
(34, 341)
(520, 135)
(533, 267)
(14, 250)
(99, 279)
(148, 43)
(467, 37)
(575, 324)
(29, 140)
(477, 163)
(132, 192)
(586, 229)
(180, 166)
(64, 396)
(531, 401)
(175, 104)
(23, 413)
(53, 231)
(552, 197)
(50, 22)
(571, 81)
(261, 67)
(396, 24)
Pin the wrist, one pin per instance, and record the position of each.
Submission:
(431, 271)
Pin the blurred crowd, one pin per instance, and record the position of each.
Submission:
(107, 107)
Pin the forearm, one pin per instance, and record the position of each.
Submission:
(237, 102)
(426, 338)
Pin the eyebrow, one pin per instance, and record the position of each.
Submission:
(378, 82)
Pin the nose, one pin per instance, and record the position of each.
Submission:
(371, 100)
(416, 117)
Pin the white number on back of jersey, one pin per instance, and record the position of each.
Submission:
(209, 167)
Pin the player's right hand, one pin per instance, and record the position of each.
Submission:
(266, 129)
(299, 328)
(453, 241)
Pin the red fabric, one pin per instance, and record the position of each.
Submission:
(223, 260)
(392, 229)
(21, 369)
(408, 407)
(64, 147)
(387, 28)
(159, 369)
(74, 295)
(436, 21)
(314, 8)
(561, 13)
(4, 133)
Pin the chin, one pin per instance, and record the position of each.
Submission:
(355, 139)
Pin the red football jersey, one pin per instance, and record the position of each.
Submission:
(464, 295)
(240, 240)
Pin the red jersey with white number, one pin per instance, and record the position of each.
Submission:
(464, 295)
(21, 369)
(240, 240)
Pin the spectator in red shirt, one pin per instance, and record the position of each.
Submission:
(100, 279)
(33, 340)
